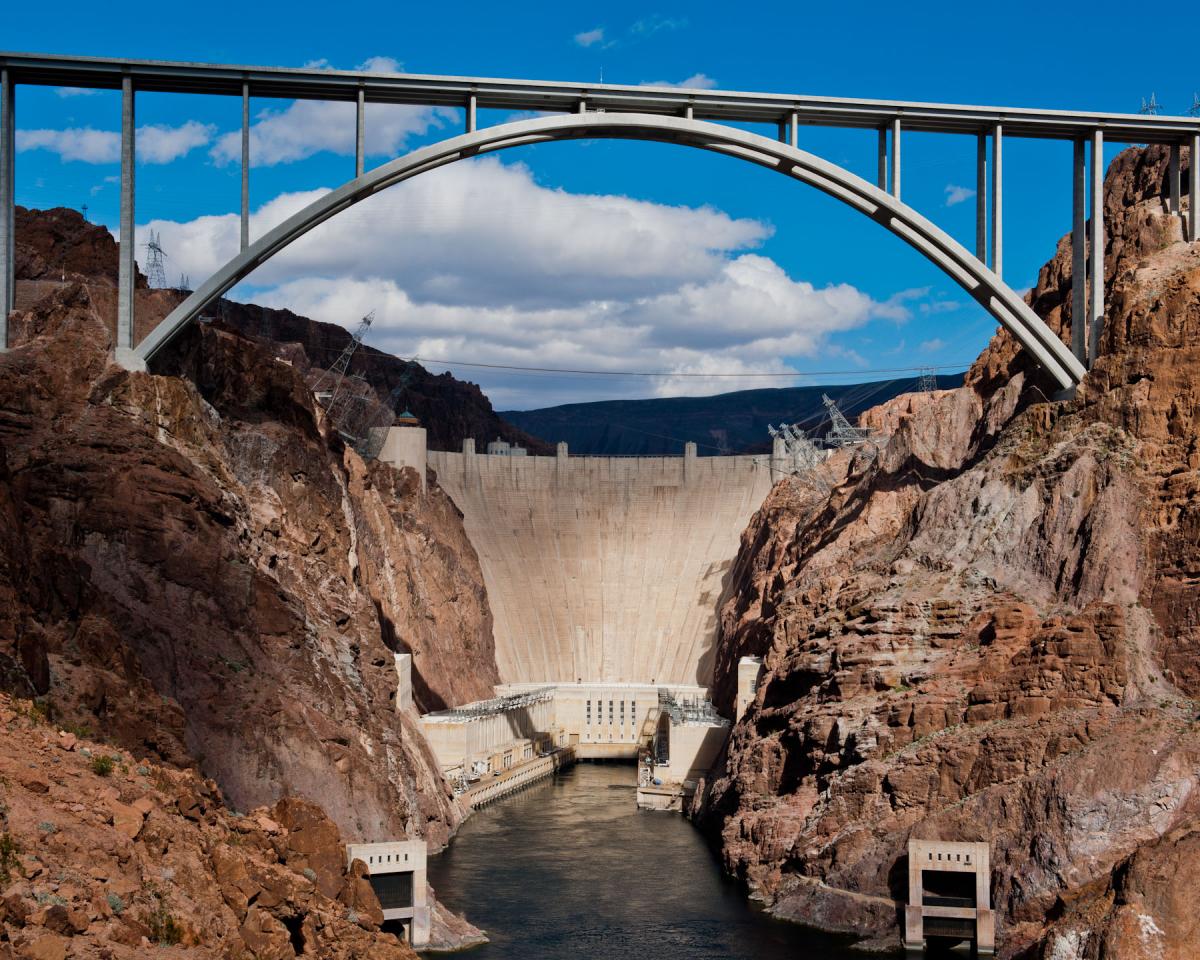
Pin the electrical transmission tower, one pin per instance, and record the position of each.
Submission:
(927, 382)
(803, 460)
(1194, 109)
(329, 385)
(842, 434)
(156, 274)
(1151, 107)
(350, 401)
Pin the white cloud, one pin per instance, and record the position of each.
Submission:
(648, 26)
(478, 262)
(155, 143)
(956, 194)
(308, 127)
(75, 91)
(932, 307)
(697, 81)
(75, 143)
(932, 346)
(485, 232)
(589, 38)
(380, 65)
(160, 144)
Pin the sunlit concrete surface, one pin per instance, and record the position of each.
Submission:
(604, 569)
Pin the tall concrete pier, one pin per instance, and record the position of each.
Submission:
(604, 569)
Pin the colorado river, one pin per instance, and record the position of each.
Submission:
(571, 869)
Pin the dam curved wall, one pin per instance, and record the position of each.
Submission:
(604, 569)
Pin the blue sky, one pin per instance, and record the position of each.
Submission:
(604, 255)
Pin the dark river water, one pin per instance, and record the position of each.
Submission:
(569, 868)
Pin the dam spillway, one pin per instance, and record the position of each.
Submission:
(604, 569)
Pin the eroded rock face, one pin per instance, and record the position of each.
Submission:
(132, 861)
(195, 569)
(990, 633)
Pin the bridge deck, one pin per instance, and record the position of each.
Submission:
(521, 95)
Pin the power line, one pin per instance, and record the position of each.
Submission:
(669, 373)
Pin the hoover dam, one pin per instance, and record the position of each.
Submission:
(600, 569)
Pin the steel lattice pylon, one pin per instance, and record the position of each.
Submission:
(156, 273)
(804, 460)
(842, 434)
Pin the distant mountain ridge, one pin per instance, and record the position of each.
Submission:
(733, 422)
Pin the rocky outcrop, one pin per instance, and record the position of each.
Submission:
(106, 856)
(450, 409)
(989, 632)
(200, 572)
(58, 246)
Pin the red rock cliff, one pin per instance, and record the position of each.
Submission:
(992, 632)
(194, 568)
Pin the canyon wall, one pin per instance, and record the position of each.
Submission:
(990, 632)
(604, 569)
(195, 568)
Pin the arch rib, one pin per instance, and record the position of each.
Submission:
(1001, 301)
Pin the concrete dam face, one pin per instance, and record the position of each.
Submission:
(604, 569)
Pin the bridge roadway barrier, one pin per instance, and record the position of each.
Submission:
(519, 777)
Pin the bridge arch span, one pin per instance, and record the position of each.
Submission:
(1000, 300)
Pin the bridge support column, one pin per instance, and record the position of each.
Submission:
(1194, 191)
(127, 268)
(883, 158)
(1173, 182)
(360, 131)
(245, 165)
(998, 201)
(981, 195)
(8, 282)
(794, 129)
(896, 158)
(1079, 317)
(471, 101)
(1096, 311)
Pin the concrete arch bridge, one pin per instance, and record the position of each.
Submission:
(694, 118)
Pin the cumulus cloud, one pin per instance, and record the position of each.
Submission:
(484, 231)
(588, 38)
(478, 262)
(932, 346)
(74, 143)
(155, 143)
(161, 144)
(956, 194)
(380, 65)
(308, 127)
(697, 81)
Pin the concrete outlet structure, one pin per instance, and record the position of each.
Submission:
(750, 670)
(949, 896)
(397, 872)
(404, 697)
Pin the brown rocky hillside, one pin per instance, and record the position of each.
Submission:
(992, 632)
(59, 245)
(196, 571)
(103, 856)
